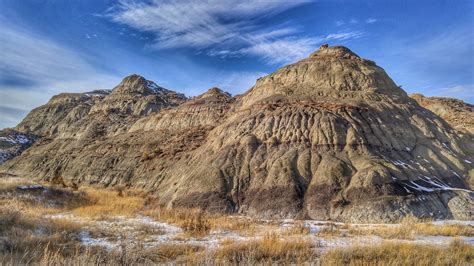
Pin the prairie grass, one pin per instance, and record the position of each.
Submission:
(410, 227)
(172, 252)
(386, 232)
(27, 236)
(21, 233)
(106, 202)
(11, 183)
(387, 253)
(269, 249)
(49, 255)
(245, 226)
(194, 222)
(330, 230)
(298, 229)
(444, 229)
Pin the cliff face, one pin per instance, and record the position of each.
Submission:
(329, 137)
(458, 114)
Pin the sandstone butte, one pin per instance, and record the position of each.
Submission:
(328, 137)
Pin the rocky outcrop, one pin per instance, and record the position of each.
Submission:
(458, 114)
(60, 114)
(13, 143)
(208, 109)
(99, 113)
(329, 137)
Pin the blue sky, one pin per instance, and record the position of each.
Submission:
(53, 46)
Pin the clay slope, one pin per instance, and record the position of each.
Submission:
(458, 114)
(330, 137)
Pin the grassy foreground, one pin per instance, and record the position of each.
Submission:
(388, 253)
(29, 236)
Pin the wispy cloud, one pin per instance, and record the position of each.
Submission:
(220, 28)
(34, 68)
(196, 23)
(371, 20)
(281, 51)
(355, 21)
(438, 64)
(345, 35)
(465, 91)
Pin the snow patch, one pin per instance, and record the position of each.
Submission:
(4, 155)
(31, 187)
(155, 88)
(87, 240)
(97, 93)
(16, 139)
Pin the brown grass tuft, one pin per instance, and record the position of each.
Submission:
(239, 224)
(297, 229)
(330, 230)
(193, 221)
(444, 230)
(410, 227)
(270, 248)
(106, 202)
(387, 253)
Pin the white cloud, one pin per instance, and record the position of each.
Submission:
(345, 35)
(371, 20)
(353, 21)
(282, 51)
(465, 91)
(222, 28)
(34, 68)
(196, 23)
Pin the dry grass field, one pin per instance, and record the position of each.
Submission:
(47, 225)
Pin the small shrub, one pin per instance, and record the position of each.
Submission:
(146, 155)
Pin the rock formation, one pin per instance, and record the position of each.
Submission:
(458, 114)
(13, 143)
(329, 137)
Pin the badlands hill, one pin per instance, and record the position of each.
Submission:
(458, 114)
(329, 137)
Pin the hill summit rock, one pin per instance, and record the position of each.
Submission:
(329, 137)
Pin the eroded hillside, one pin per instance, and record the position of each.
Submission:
(329, 137)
